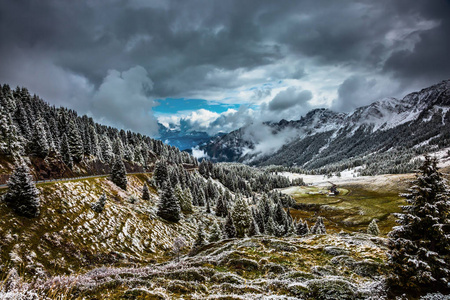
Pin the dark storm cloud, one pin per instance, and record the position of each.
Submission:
(289, 98)
(64, 50)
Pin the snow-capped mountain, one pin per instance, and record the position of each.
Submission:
(182, 139)
(419, 121)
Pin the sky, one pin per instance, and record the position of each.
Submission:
(218, 65)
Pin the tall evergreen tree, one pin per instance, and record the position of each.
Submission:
(241, 216)
(39, 143)
(119, 174)
(161, 173)
(75, 142)
(65, 151)
(420, 247)
(200, 239)
(373, 228)
(22, 195)
(145, 192)
(215, 232)
(229, 231)
(168, 206)
(319, 227)
(221, 207)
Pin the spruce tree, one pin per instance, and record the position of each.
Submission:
(241, 216)
(270, 228)
(215, 232)
(319, 227)
(39, 145)
(161, 173)
(200, 239)
(65, 152)
(420, 247)
(302, 228)
(119, 174)
(229, 231)
(253, 229)
(145, 192)
(22, 195)
(221, 207)
(100, 204)
(168, 205)
(75, 142)
(373, 228)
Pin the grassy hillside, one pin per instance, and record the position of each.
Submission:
(69, 236)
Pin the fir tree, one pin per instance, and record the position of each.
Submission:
(319, 227)
(221, 207)
(270, 228)
(229, 231)
(161, 173)
(100, 204)
(65, 152)
(373, 228)
(145, 192)
(39, 143)
(241, 216)
(22, 195)
(420, 247)
(10, 141)
(168, 205)
(200, 239)
(253, 229)
(302, 228)
(119, 174)
(75, 142)
(215, 232)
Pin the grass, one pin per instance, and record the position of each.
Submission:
(351, 210)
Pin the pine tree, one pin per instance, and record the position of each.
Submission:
(241, 216)
(119, 174)
(200, 239)
(145, 192)
(10, 141)
(215, 233)
(373, 228)
(22, 195)
(420, 247)
(75, 142)
(161, 173)
(302, 228)
(221, 207)
(270, 228)
(65, 152)
(229, 231)
(106, 148)
(253, 229)
(319, 227)
(168, 205)
(39, 145)
(100, 204)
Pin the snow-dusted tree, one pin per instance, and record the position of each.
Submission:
(270, 228)
(118, 148)
(178, 244)
(145, 192)
(318, 227)
(302, 228)
(168, 205)
(373, 228)
(241, 216)
(215, 232)
(75, 142)
(258, 219)
(22, 195)
(161, 173)
(221, 207)
(229, 231)
(200, 239)
(420, 247)
(10, 141)
(39, 144)
(65, 151)
(119, 174)
(106, 148)
(185, 198)
(100, 204)
(253, 229)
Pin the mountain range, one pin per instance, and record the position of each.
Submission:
(415, 124)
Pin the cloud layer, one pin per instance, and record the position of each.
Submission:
(276, 58)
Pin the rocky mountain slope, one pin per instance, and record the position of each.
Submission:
(418, 122)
